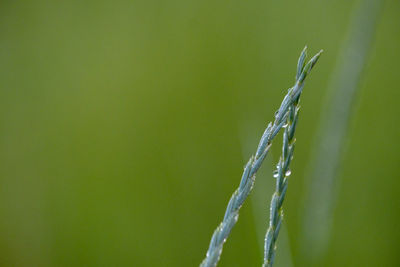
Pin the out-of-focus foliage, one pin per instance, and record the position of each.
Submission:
(121, 129)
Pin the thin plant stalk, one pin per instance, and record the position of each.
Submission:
(321, 185)
(282, 171)
(232, 211)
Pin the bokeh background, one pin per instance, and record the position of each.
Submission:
(125, 125)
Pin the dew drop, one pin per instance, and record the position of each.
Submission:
(285, 125)
(276, 173)
(288, 172)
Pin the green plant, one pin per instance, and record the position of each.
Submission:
(282, 171)
(322, 173)
(281, 119)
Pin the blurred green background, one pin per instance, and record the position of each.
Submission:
(125, 125)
